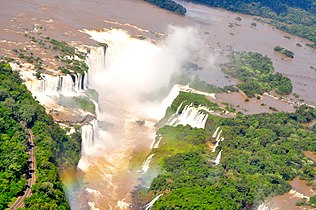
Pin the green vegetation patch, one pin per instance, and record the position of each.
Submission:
(54, 149)
(68, 56)
(93, 94)
(138, 157)
(71, 60)
(260, 154)
(312, 45)
(284, 51)
(83, 103)
(257, 74)
(190, 98)
(169, 5)
(13, 136)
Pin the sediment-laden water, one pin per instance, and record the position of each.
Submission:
(119, 74)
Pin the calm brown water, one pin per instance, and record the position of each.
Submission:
(288, 200)
(255, 106)
(261, 39)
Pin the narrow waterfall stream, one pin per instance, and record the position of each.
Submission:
(218, 158)
(88, 136)
(151, 203)
(146, 163)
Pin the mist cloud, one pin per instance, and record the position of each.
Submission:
(138, 66)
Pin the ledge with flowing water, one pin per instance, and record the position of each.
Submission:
(67, 85)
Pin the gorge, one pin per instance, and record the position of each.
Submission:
(122, 102)
(138, 127)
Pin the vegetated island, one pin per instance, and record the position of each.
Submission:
(295, 17)
(70, 60)
(259, 154)
(256, 73)
(284, 51)
(54, 149)
(312, 45)
(169, 5)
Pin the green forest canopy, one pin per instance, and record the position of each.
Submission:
(256, 72)
(169, 5)
(54, 149)
(260, 154)
(284, 51)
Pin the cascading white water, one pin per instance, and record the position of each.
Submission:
(96, 61)
(263, 206)
(215, 133)
(151, 203)
(155, 144)
(51, 85)
(129, 70)
(218, 158)
(190, 116)
(218, 138)
(218, 135)
(216, 145)
(88, 136)
(146, 164)
(178, 109)
(168, 100)
(66, 85)
(299, 194)
(76, 83)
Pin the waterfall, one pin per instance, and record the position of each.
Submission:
(216, 145)
(96, 61)
(168, 101)
(299, 194)
(67, 85)
(54, 85)
(82, 82)
(219, 135)
(151, 203)
(155, 144)
(173, 120)
(218, 158)
(50, 85)
(178, 109)
(263, 206)
(215, 133)
(190, 116)
(218, 138)
(88, 136)
(145, 165)
(76, 83)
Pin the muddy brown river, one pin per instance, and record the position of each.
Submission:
(63, 19)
